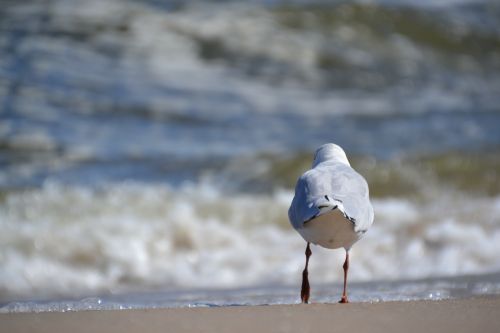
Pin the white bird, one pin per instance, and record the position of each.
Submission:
(331, 207)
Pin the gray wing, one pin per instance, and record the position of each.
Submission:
(331, 186)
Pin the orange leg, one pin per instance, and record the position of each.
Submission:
(346, 269)
(304, 292)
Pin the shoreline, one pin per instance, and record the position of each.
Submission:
(456, 315)
(430, 288)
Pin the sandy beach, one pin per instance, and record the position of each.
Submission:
(464, 315)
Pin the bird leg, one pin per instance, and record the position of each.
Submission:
(346, 269)
(304, 292)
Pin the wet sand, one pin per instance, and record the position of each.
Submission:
(465, 315)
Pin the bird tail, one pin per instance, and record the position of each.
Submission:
(326, 204)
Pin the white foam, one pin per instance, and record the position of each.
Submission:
(161, 50)
(61, 240)
(64, 241)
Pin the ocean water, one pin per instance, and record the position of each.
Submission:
(148, 150)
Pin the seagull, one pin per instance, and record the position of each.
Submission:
(331, 208)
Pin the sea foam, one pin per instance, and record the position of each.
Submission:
(73, 240)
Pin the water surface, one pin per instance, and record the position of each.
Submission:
(148, 146)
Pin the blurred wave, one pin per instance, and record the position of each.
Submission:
(123, 237)
(148, 144)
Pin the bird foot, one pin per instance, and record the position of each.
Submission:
(305, 290)
(344, 300)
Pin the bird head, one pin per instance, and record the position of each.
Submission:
(329, 152)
